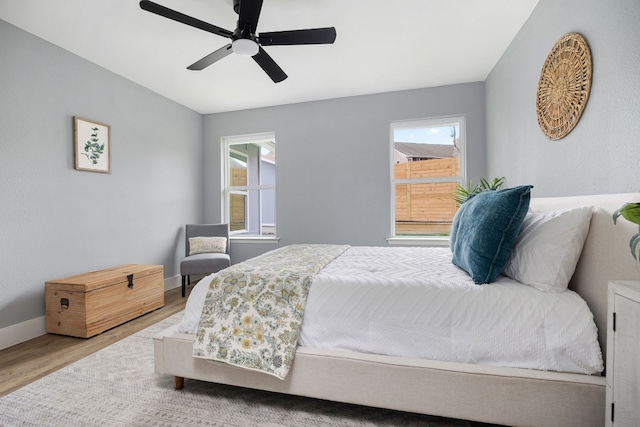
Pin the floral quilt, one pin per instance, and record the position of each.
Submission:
(253, 310)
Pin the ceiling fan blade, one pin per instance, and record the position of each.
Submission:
(269, 66)
(249, 15)
(211, 58)
(293, 37)
(185, 19)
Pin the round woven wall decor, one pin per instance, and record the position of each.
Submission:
(563, 89)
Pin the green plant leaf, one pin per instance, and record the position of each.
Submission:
(463, 193)
(631, 212)
(497, 183)
(633, 245)
(483, 184)
(616, 215)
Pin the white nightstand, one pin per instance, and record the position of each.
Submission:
(623, 354)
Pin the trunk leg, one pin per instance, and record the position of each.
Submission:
(179, 383)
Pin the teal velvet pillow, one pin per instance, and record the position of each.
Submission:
(485, 229)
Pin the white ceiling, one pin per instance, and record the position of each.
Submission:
(381, 45)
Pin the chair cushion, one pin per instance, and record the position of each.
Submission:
(204, 264)
(203, 245)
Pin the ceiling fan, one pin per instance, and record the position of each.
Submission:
(244, 40)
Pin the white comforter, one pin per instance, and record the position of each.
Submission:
(413, 302)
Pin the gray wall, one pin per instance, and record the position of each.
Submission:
(602, 153)
(56, 221)
(333, 178)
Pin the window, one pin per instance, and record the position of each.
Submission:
(249, 184)
(428, 164)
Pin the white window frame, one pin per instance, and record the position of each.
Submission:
(422, 123)
(226, 144)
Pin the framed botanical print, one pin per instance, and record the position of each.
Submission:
(92, 145)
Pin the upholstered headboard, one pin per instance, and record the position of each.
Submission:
(606, 255)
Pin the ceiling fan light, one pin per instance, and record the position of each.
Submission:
(245, 47)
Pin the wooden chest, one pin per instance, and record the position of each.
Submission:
(90, 303)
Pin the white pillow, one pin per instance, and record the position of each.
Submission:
(548, 248)
(207, 245)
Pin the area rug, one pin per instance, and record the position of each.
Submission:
(117, 386)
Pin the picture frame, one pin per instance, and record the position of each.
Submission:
(92, 145)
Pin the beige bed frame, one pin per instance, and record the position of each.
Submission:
(509, 396)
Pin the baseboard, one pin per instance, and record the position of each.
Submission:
(172, 282)
(21, 332)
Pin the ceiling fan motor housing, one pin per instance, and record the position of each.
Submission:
(247, 32)
(244, 33)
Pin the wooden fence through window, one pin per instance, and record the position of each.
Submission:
(426, 209)
(237, 208)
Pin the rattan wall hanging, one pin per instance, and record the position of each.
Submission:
(563, 89)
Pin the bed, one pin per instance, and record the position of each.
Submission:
(518, 396)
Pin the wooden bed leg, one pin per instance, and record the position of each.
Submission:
(179, 383)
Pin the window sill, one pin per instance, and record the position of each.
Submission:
(254, 239)
(418, 241)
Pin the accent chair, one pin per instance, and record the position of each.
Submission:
(207, 250)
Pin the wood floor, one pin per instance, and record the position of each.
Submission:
(29, 361)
